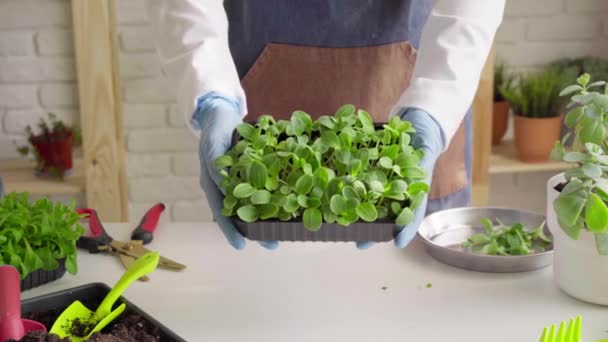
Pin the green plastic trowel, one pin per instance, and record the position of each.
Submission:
(104, 314)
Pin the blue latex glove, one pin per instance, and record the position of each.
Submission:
(218, 116)
(428, 137)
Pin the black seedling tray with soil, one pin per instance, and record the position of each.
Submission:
(41, 277)
(133, 325)
(380, 231)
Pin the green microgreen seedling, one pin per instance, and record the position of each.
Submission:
(338, 168)
(37, 235)
(507, 240)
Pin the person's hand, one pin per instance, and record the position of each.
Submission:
(217, 117)
(429, 138)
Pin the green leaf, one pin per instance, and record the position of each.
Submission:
(570, 89)
(330, 139)
(304, 184)
(258, 175)
(601, 243)
(417, 187)
(247, 213)
(574, 116)
(320, 178)
(349, 192)
(245, 130)
(591, 170)
(569, 207)
(303, 201)
(574, 157)
(477, 239)
(243, 190)
(591, 131)
(337, 204)
(488, 225)
(596, 214)
(405, 217)
(326, 121)
(390, 151)
(345, 111)
(224, 161)
(312, 219)
(367, 124)
(291, 205)
(396, 189)
(396, 208)
(584, 79)
(367, 212)
(385, 162)
(376, 186)
(301, 122)
(260, 197)
(346, 141)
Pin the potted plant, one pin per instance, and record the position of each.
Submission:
(304, 180)
(577, 214)
(133, 324)
(500, 113)
(536, 105)
(38, 238)
(571, 68)
(52, 146)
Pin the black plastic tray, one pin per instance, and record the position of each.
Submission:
(274, 230)
(90, 295)
(41, 277)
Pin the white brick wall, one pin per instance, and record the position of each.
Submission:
(37, 75)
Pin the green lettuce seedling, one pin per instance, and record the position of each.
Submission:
(581, 203)
(507, 240)
(336, 169)
(38, 235)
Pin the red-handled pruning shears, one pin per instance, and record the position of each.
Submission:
(101, 241)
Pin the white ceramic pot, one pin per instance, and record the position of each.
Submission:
(577, 267)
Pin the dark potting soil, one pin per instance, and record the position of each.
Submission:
(127, 328)
(559, 187)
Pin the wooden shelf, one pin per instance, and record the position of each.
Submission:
(504, 160)
(18, 175)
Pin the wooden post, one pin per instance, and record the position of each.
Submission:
(482, 133)
(100, 107)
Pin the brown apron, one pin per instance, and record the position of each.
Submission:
(318, 81)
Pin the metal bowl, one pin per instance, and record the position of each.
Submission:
(444, 232)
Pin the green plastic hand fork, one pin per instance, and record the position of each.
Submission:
(572, 333)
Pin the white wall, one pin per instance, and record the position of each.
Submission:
(37, 75)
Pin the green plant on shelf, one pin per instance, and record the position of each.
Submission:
(39, 234)
(503, 81)
(535, 95)
(336, 169)
(581, 203)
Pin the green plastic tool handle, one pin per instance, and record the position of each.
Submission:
(142, 266)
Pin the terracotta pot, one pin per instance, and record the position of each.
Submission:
(535, 137)
(500, 121)
(56, 153)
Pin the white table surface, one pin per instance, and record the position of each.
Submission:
(331, 292)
